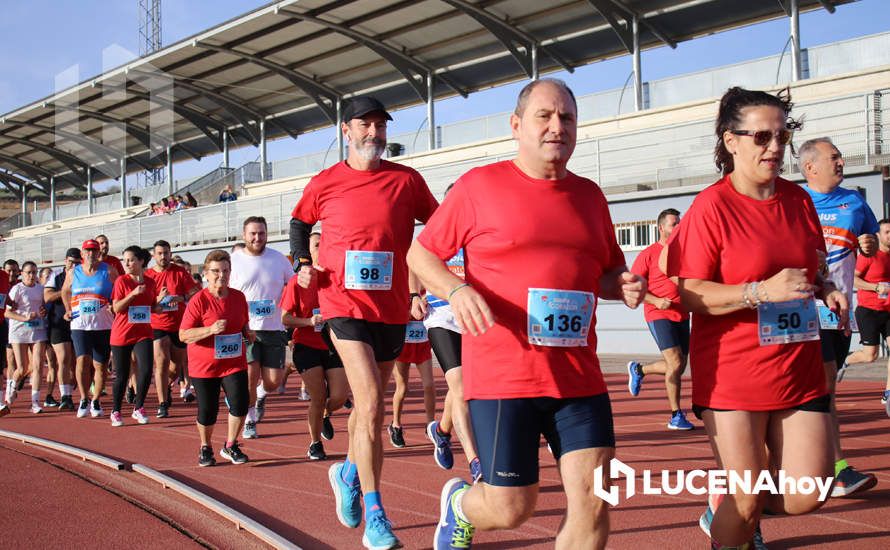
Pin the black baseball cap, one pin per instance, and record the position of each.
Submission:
(362, 105)
(73, 253)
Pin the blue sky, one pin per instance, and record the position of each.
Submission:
(41, 38)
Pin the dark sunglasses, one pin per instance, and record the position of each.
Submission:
(763, 137)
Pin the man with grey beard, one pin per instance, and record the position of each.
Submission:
(368, 207)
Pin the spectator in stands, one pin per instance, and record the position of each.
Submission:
(227, 194)
(181, 203)
(152, 209)
(192, 202)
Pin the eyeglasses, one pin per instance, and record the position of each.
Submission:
(763, 137)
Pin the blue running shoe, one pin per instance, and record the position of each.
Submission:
(348, 498)
(452, 532)
(679, 422)
(442, 453)
(378, 533)
(885, 399)
(476, 470)
(634, 378)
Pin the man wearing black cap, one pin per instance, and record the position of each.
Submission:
(368, 207)
(60, 328)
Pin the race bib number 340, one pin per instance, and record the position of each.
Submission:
(787, 322)
(368, 270)
(559, 318)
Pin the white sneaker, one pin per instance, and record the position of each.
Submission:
(139, 416)
(83, 409)
(116, 419)
(304, 395)
(95, 411)
(182, 392)
(35, 408)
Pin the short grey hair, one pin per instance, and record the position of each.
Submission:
(526, 91)
(808, 152)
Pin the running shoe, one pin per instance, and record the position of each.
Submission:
(378, 533)
(21, 384)
(189, 395)
(841, 371)
(281, 389)
(163, 410)
(233, 454)
(451, 531)
(886, 401)
(704, 522)
(304, 395)
(11, 392)
(260, 408)
(634, 378)
(348, 498)
(35, 408)
(130, 395)
(442, 452)
(316, 451)
(347, 404)
(50, 401)
(396, 437)
(249, 431)
(4, 410)
(140, 416)
(850, 481)
(476, 470)
(678, 422)
(96, 409)
(327, 429)
(116, 419)
(205, 457)
(66, 404)
(84, 409)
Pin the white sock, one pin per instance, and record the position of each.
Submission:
(251, 414)
(458, 506)
(261, 391)
(66, 389)
(35, 397)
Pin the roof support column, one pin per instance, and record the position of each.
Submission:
(638, 76)
(123, 182)
(25, 205)
(225, 140)
(338, 128)
(263, 170)
(795, 41)
(89, 190)
(430, 110)
(52, 198)
(534, 58)
(169, 178)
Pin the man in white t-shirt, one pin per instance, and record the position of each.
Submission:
(261, 273)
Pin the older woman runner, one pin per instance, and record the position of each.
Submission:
(27, 335)
(133, 300)
(747, 258)
(215, 327)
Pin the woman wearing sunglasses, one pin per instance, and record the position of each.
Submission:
(748, 257)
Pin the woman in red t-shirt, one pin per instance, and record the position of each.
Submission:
(417, 350)
(747, 257)
(215, 329)
(133, 299)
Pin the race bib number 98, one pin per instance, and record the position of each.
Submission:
(368, 270)
(559, 318)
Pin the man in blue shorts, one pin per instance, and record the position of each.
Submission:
(668, 322)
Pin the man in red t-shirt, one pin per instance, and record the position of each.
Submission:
(104, 256)
(668, 322)
(175, 287)
(872, 282)
(368, 207)
(540, 251)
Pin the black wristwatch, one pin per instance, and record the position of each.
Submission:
(414, 295)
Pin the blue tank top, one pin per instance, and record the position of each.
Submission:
(91, 299)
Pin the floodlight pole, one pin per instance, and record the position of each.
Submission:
(638, 76)
(796, 73)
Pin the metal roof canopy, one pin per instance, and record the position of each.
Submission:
(283, 69)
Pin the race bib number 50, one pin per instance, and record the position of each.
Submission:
(368, 270)
(559, 318)
(787, 322)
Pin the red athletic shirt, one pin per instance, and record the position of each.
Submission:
(5, 287)
(113, 261)
(300, 302)
(873, 269)
(178, 283)
(124, 332)
(732, 239)
(520, 233)
(203, 310)
(370, 210)
(646, 265)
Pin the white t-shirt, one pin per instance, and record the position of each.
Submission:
(261, 279)
(27, 299)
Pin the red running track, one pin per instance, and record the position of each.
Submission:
(290, 494)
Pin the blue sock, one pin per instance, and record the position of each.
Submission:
(349, 473)
(372, 504)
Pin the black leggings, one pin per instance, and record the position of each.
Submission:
(145, 366)
(207, 390)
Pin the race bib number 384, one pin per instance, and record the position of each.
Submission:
(559, 318)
